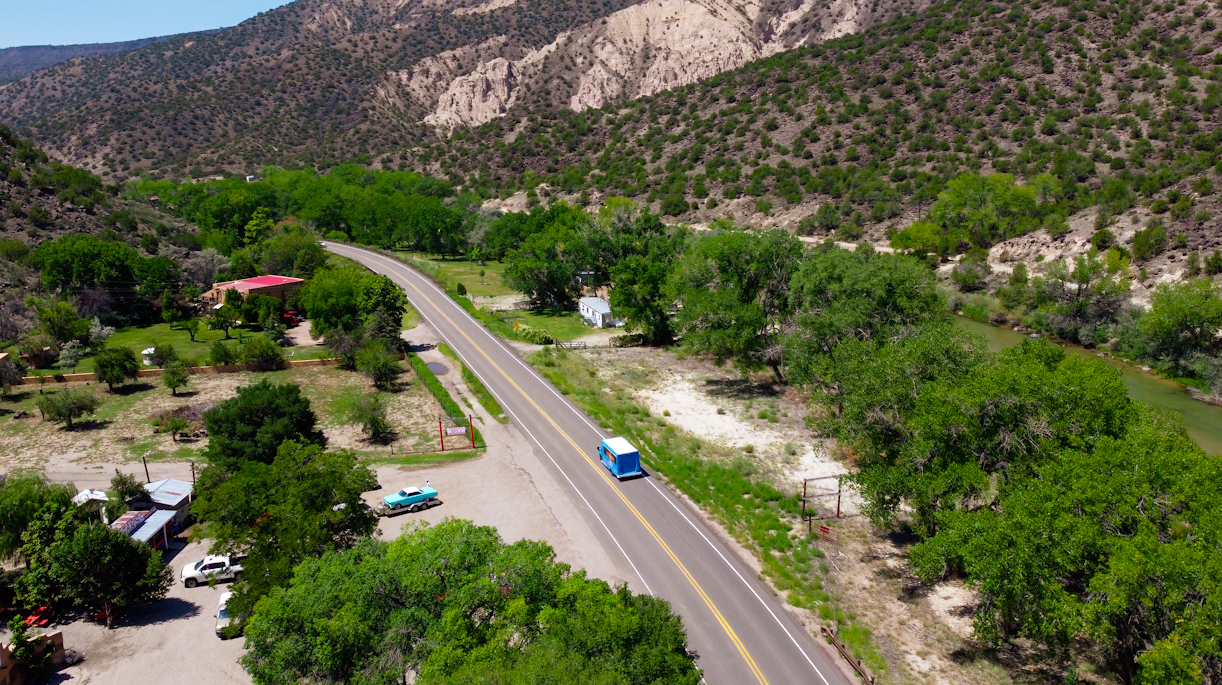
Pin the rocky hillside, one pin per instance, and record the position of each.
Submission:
(1107, 107)
(323, 80)
(639, 51)
(41, 200)
(303, 83)
(18, 62)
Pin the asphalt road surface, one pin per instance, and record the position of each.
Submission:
(742, 633)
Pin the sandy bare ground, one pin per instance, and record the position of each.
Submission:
(122, 431)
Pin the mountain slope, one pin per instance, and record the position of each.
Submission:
(1117, 103)
(323, 80)
(295, 84)
(17, 62)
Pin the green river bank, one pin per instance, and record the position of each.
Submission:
(1203, 421)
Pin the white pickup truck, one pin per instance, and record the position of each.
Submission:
(211, 567)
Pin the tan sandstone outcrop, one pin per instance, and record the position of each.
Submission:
(638, 51)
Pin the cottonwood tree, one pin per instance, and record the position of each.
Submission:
(91, 566)
(734, 292)
(303, 504)
(567, 628)
(251, 425)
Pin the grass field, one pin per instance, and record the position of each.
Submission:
(465, 271)
(138, 339)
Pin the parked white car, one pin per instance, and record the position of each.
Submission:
(210, 567)
(222, 615)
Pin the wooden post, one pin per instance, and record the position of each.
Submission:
(804, 499)
(144, 458)
(471, 430)
(442, 433)
(192, 472)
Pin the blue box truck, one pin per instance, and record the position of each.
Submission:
(620, 457)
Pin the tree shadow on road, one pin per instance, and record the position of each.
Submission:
(168, 609)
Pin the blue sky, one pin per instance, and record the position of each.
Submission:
(67, 22)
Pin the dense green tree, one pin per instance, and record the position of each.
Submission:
(92, 566)
(1113, 543)
(838, 295)
(1183, 319)
(174, 376)
(457, 605)
(1001, 421)
(377, 362)
(251, 425)
(330, 299)
(543, 267)
(300, 505)
(511, 230)
(293, 253)
(115, 366)
(58, 319)
(22, 495)
(733, 288)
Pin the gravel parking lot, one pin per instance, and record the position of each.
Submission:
(173, 641)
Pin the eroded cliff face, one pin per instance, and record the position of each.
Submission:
(638, 51)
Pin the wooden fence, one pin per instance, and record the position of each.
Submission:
(156, 373)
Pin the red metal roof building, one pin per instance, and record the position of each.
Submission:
(271, 286)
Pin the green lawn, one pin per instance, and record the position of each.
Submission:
(465, 271)
(562, 327)
(139, 339)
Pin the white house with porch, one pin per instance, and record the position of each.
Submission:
(596, 312)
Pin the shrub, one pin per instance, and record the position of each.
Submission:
(221, 354)
(534, 336)
(67, 405)
(116, 365)
(13, 250)
(370, 413)
(261, 354)
(376, 361)
(1213, 263)
(461, 290)
(337, 235)
(1103, 239)
(1150, 241)
(174, 376)
(164, 354)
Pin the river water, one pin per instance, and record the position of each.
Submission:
(1203, 421)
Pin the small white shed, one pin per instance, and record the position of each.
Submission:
(596, 312)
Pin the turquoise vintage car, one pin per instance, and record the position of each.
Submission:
(414, 499)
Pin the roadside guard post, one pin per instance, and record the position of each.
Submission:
(620, 457)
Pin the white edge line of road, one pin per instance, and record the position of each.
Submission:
(540, 444)
(598, 430)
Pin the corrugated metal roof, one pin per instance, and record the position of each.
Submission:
(153, 524)
(130, 521)
(169, 492)
(597, 304)
(619, 445)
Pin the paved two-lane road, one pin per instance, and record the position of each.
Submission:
(742, 633)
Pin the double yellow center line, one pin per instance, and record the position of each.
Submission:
(725, 625)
